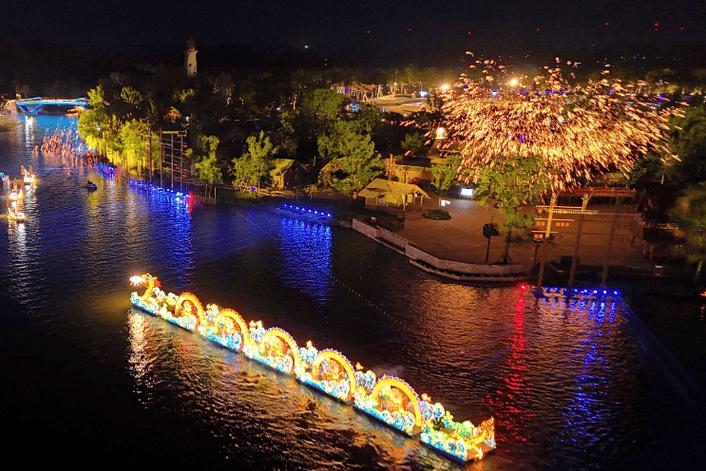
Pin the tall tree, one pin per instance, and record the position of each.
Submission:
(413, 143)
(689, 142)
(689, 213)
(510, 185)
(207, 167)
(93, 123)
(445, 173)
(353, 161)
(254, 165)
(133, 138)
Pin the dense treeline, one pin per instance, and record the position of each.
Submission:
(240, 123)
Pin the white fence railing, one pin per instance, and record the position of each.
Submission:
(415, 253)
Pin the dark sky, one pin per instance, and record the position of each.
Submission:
(400, 29)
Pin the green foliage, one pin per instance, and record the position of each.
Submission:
(445, 173)
(207, 167)
(689, 143)
(94, 122)
(343, 140)
(254, 165)
(689, 213)
(368, 119)
(208, 170)
(649, 168)
(182, 95)
(413, 143)
(322, 105)
(133, 144)
(122, 141)
(131, 96)
(206, 146)
(353, 159)
(288, 138)
(511, 184)
(314, 114)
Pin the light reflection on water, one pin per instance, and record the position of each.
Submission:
(570, 384)
(307, 261)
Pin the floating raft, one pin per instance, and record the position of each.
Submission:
(387, 399)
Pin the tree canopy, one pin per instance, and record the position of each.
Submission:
(254, 165)
(445, 173)
(353, 161)
(689, 213)
(512, 184)
(207, 167)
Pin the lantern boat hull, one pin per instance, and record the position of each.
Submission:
(316, 386)
(486, 449)
(138, 304)
(374, 414)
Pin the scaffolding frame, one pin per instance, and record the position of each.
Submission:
(172, 145)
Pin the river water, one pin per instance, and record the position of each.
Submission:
(572, 386)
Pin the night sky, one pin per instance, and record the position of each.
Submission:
(398, 29)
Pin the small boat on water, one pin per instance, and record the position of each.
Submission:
(90, 186)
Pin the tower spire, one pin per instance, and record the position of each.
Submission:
(190, 57)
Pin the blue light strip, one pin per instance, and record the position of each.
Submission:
(307, 211)
(178, 196)
(583, 292)
(107, 170)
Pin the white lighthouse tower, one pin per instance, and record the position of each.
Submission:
(190, 58)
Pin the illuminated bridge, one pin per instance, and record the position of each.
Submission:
(39, 105)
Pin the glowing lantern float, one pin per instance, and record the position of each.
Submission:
(395, 403)
(277, 349)
(228, 329)
(388, 399)
(188, 312)
(332, 373)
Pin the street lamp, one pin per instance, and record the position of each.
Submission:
(513, 82)
(444, 87)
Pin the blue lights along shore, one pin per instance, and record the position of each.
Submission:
(178, 196)
(107, 170)
(554, 291)
(315, 213)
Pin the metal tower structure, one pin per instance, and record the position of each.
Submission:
(172, 163)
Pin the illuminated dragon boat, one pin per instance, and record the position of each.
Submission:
(388, 399)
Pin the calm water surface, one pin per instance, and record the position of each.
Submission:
(580, 385)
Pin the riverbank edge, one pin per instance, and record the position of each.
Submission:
(451, 269)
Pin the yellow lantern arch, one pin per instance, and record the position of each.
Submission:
(338, 358)
(190, 297)
(406, 389)
(237, 321)
(283, 335)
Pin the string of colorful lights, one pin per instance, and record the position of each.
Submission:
(388, 399)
